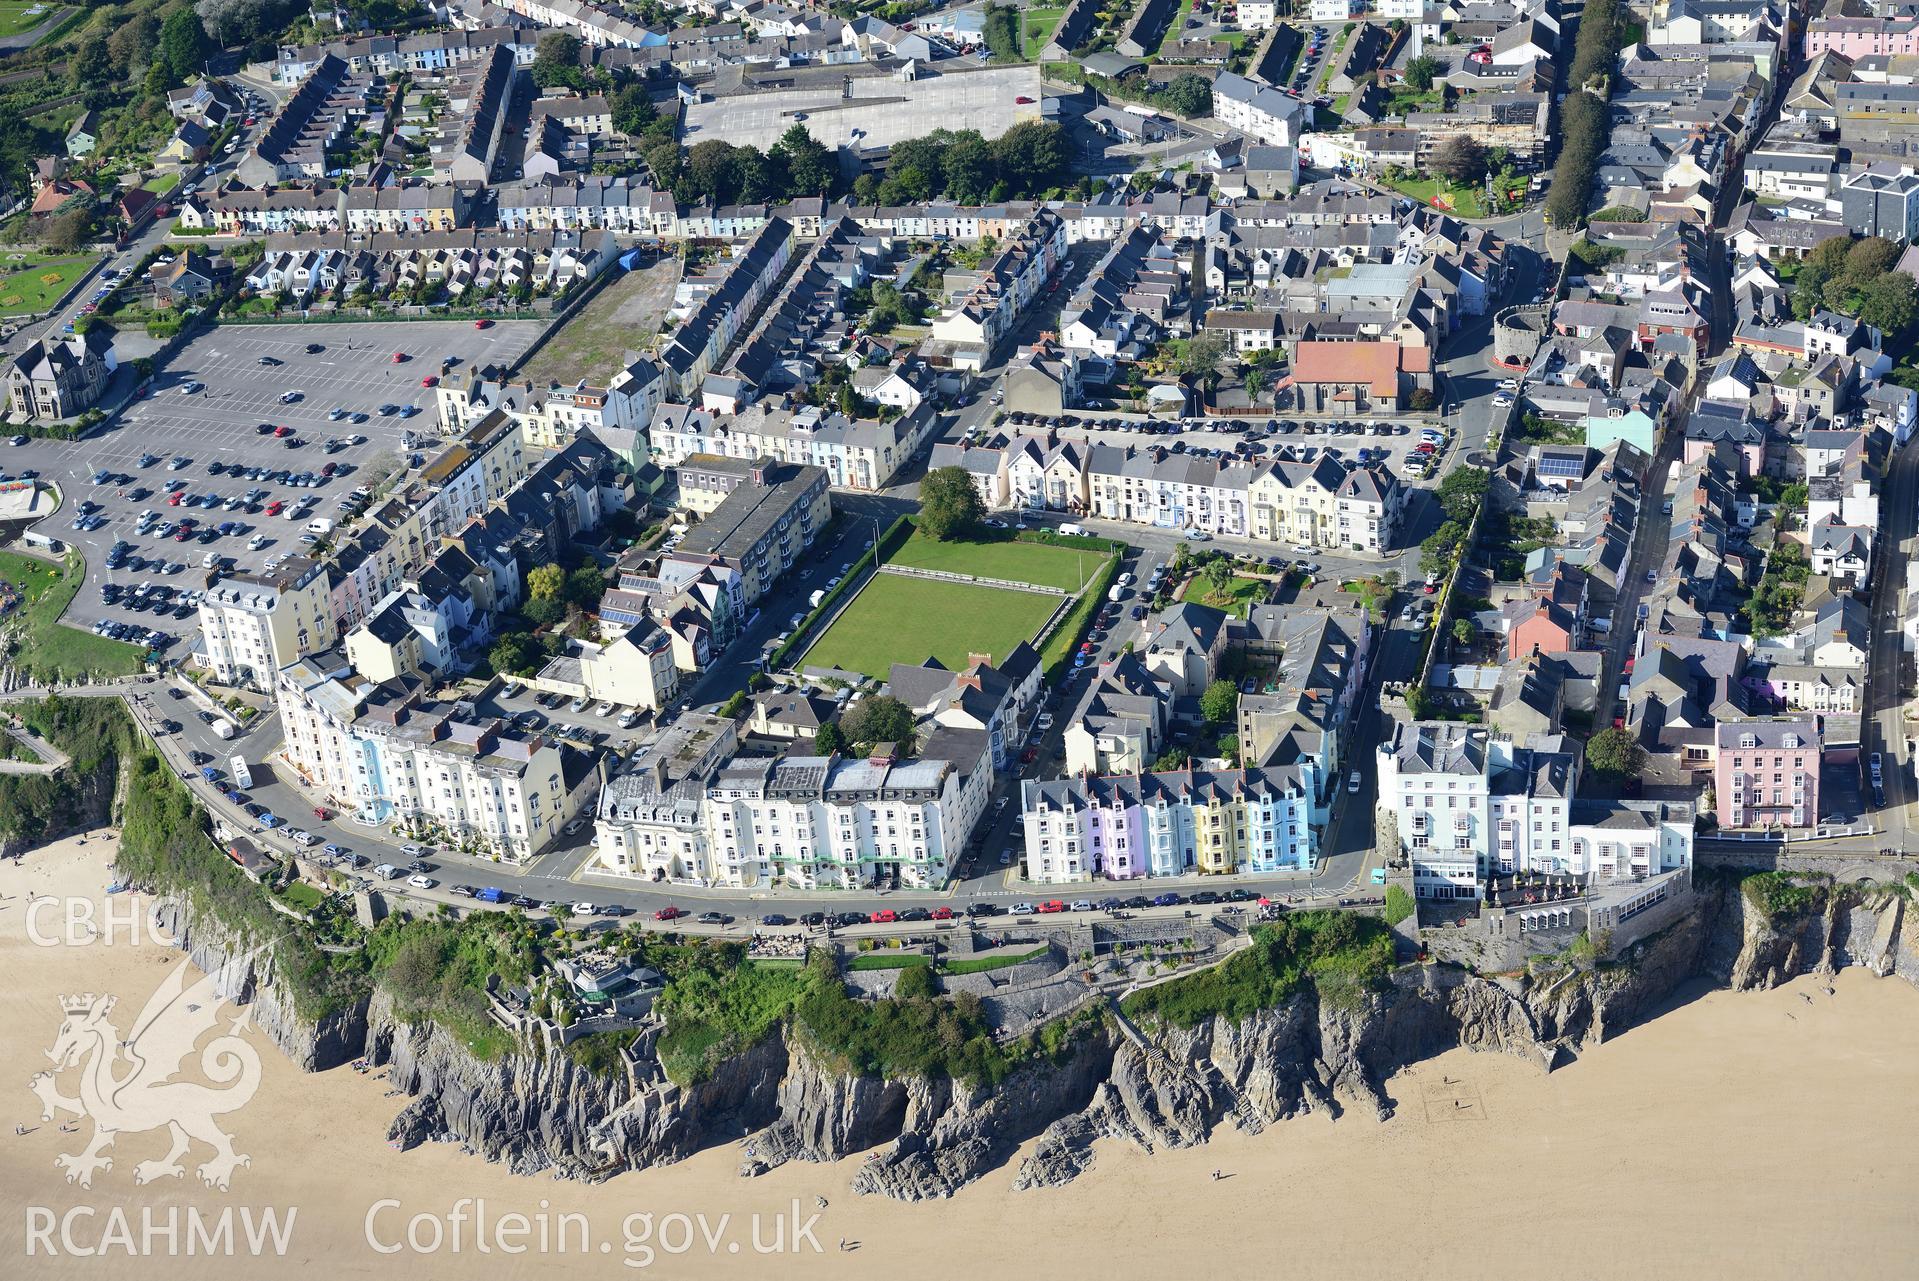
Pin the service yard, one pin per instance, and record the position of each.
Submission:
(238, 399)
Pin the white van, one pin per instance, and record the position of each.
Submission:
(386, 871)
(242, 776)
(320, 525)
(1118, 593)
(814, 600)
(1072, 529)
(224, 728)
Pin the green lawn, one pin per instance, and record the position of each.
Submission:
(1066, 568)
(1240, 596)
(1039, 27)
(47, 646)
(896, 619)
(161, 184)
(1468, 202)
(24, 15)
(39, 283)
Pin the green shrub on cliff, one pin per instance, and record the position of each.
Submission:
(1341, 955)
(716, 1004)
(437, 968)
(1399, 905)
(1780, 895)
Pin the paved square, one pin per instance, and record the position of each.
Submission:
(355, 371)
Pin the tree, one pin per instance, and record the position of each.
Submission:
(1869, 259)
(585, 586)
(1229, 748)
(514, 652)
(1201, 354)
(810, 168)
(1614, 754)
(543, 611)
(131, 45)
(1461, 158)
(183, 45)
(1000, 29)
(556, 60)
(1032, 156)
(1219, 576)
(1419, 703)
(1463, 631)
(971, 169)
(633, 109)
(1890, 303)
(1170, 759)
(1189, 95)
(1462, 491)
(1420, 71)
(1829, 255)
(950, 507)
(68, 231)
(915, 982)
(878, 718)
(91, 66)
(829, 740)
(1437, 552)
(1421, 401)
(1219, 702)
(546, 582)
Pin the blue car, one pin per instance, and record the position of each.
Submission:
(268, 820)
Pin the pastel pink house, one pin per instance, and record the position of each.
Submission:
(1856, 37)
(1766, 772)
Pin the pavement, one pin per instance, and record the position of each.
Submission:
(221, 424)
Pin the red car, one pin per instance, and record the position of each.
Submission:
(173, 500)
(283, 431)
(431, 380)
(1051, 906)
(942, 913)
(1024, 101)
(885, 916)
(399, 358)
(320, 812)
(483, 324)
(274, 508)
(668, 914)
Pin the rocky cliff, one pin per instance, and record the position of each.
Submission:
(535, 1108)
(245, 969)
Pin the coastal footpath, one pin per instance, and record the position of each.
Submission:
(1161, 1084)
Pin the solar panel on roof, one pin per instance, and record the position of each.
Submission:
(1559, 465)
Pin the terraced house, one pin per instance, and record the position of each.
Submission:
(387, 753)
(1127, 827)
(1003, 287)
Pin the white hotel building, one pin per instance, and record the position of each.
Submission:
(1469, 803)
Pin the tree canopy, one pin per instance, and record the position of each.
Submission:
(1419, 72)
(1219, 703)
(950, 505)
(878, 718)
(1615, 754)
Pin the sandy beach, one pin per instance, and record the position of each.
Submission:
(1761, 1135)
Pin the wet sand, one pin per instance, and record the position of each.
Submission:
(1758, 1135)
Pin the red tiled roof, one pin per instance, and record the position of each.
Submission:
(1377, 364)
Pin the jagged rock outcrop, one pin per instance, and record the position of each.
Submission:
(245, 973)
(953, 1132)
(535, 1108)
(825, 1113)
